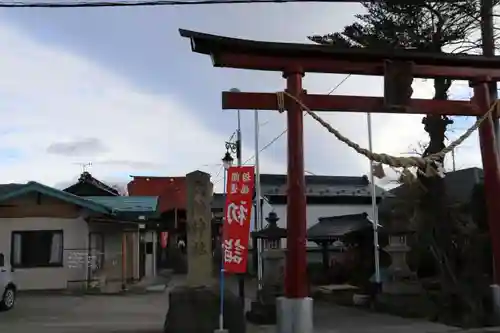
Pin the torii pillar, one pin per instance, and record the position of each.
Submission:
(294, 60)
(491, 167)
(296, 300)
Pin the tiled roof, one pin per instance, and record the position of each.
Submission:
(88, 179)
(460, 183)
(5, 188)
(136, 204)
(126, 207)
(172, 190)
(459, 187)
(10, 191)
(326, 186)
(338, 226)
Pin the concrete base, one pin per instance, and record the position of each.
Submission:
(262, 313)
(495, 296)
(196, 310)
(294, 315)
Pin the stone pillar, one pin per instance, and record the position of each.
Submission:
(194, 308)
(199, 229)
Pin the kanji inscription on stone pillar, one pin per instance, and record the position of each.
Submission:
(198, 227)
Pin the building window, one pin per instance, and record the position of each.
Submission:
(40, 248)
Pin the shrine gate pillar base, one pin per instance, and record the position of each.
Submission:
(295, 310)
(491, 169)
(294, 315)
(495, 295)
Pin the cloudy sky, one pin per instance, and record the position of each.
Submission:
(119, 88)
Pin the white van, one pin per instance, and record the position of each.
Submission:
(8, 288)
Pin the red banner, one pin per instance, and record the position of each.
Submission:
(163, 239)
(238, 210)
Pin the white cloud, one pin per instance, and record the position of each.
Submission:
(49, 95)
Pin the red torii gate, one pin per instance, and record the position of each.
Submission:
(294, 60)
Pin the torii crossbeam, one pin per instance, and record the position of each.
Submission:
(294, 60)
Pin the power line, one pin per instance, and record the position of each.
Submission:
(339, 84)
(219, 172)
(231, 137)
(286, 130)
(267, 145)
(15, 4)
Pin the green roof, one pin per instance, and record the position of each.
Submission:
(12, 192)
(128, 207)
(6, 188)
(144, 205)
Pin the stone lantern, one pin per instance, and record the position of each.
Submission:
(263, 310)
(273, 233)
(400, 279)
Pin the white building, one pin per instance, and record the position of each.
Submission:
(56, 240)
(326, 196)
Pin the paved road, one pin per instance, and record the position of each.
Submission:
(329, 318)
(89, 314)
(146, 313)
(336, 319)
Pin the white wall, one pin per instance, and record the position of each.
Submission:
(150, 270)
(75, 233)
(316, 211)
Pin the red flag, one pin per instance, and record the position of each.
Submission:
(238, 210)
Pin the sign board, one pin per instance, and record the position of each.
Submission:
(238, 210)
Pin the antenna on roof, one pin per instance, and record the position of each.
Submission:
(84, 166)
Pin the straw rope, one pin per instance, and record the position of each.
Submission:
(424, 163)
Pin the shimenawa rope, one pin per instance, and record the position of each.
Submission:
(424, 163)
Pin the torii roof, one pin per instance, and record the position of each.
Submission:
(215, 46)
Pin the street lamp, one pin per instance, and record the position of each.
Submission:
(227, 160)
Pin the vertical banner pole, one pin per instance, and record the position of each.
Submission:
(239, 187)
(258, 206)
(221, 314)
